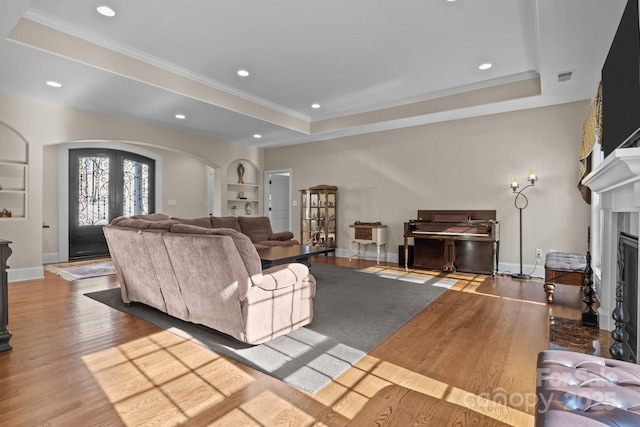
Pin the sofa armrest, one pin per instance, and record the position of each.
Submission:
(283, 276)
(283, 235)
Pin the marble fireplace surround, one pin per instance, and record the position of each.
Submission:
(615, 184)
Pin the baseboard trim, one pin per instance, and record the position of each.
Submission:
(21, 274)
(536, 272)
(50, 258)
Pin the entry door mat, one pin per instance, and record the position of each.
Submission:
(353, 313)
(570, 334)
(82, 270)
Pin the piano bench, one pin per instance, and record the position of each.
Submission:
(563, 268)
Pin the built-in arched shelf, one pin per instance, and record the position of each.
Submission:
(243, 189)
(14, 174)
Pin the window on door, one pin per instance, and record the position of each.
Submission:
(105, 184)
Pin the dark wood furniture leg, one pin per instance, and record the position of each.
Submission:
(406, 254)
(5, 335)
(449, 256)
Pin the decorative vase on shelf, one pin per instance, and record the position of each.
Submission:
(240, 173)
(247, 208)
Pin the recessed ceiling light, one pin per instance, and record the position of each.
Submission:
(180, 116)
(257, 136)
(106, 11)
(485, 66)
(54, 84)
(315, 106)
(243, 73)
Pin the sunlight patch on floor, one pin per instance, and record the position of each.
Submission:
(163, 380)
(266, 409)
(420, 278)
(374, 375)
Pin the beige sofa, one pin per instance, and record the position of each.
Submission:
(257, 228)
(209, 276)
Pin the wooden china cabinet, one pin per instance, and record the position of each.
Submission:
(319, 209)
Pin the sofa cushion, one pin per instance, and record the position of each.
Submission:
(258, 228)
(273, 243)
(225, 222)
(143, 224)
(565, 261)
(200, 222)
(245, 247)
(152, 217)
(125, 221)
(284, 275)
(283, 236)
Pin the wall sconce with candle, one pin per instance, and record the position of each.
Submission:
(521, 202)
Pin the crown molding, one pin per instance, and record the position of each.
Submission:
(67, 28)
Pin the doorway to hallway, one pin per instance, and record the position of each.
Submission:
(278, 199)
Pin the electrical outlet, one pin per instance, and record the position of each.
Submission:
(538, 253)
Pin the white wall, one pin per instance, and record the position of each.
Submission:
(384, 176)
(44, 126)
(462, 164)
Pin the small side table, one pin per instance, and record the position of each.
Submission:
(366, 234)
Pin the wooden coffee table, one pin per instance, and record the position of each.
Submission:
(283, 254)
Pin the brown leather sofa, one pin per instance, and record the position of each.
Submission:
(209, 276)
(257, 228)
(575, 389)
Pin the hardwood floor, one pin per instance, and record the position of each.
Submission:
(468, 359)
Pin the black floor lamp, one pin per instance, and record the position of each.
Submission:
(532, 177)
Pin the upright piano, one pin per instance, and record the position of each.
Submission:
(454, 240)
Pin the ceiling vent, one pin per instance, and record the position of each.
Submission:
(565, 77)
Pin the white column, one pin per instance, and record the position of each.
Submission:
(607, 293)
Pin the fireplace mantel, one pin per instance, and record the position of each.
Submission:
(615, 183)
(619, 169)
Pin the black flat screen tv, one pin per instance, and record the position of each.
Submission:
(621, 84)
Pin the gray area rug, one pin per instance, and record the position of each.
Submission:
(354, 311)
